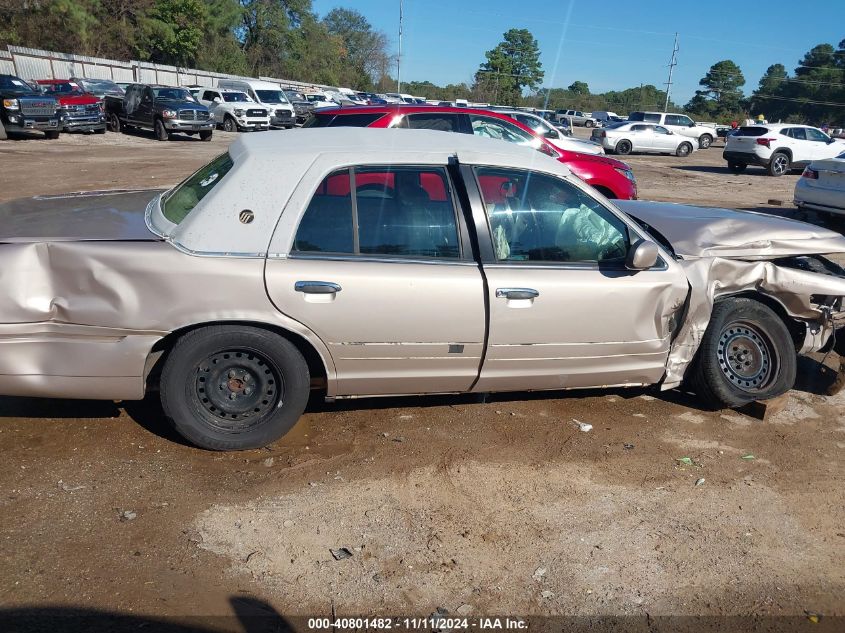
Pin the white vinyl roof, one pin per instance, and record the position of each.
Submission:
(271, 166)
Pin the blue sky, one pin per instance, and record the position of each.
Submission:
(610, 44)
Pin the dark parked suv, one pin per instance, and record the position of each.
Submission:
(24, 109)
(163, 109)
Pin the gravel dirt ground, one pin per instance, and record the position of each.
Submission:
(497, 507)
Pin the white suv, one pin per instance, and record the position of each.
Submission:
(779, 147)
(679, 124)
(233, 109)
(577, 117)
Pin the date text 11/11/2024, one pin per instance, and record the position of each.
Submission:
(419, 624)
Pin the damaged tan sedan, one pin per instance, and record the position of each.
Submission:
(365, 262)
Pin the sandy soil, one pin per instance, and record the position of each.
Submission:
(498, 507)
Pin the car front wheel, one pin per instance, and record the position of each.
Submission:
(229, 124)
(684, 149)
(747, 354)
(161, 131)
(234, 388)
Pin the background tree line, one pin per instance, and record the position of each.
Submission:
(280, 38)
(286, 38)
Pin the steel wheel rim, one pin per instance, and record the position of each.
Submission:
(779, 164)
(746, 357)
(237, 388)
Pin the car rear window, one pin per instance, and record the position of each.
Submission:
(751, 131)
(343, 120)
(182, 200)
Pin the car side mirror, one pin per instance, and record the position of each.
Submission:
(552, 134)
(216, 100)
(641, 255)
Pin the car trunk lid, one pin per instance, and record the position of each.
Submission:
(116, 215)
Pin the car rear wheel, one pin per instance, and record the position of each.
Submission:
(623, 147)
(160, 131)
(779, 164)
(684, 149)
(234, 388)
(229, 124)
(736, 168)
(747, 354)
(705, 141)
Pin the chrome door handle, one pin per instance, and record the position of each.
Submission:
(317, 287)
(516, 293)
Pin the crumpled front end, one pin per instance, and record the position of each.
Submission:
(809, 289)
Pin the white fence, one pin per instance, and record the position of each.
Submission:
(31, 63)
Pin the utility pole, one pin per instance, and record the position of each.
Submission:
(399, 58)
(672, 64)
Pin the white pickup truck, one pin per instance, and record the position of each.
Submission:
(233, 109)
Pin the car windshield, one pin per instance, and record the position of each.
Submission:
(101, 87)
(235, 97)
(181, 200)
(62, 88)
(271, 96)
(176, 94)
(13, 83)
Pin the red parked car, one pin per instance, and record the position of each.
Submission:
(79, 111)
(611, 177)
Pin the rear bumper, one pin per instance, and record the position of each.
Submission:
(819, 198)
(56, 360)
(746, 158)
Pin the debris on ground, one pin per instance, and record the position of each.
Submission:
(583, 426)
(464, 609)
(699, 481)
(628, 447)
(128, 515)
(749, 456)
(68, 488)
(341, 553)
(686, 461)
(539, 573)
(547, 594)
(269, 462)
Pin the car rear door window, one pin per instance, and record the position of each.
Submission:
(398, 212)
(672, 119)
(798, 133)
(536, 217)
(442, 121)
(499, 129)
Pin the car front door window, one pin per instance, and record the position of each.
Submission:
(535, 217)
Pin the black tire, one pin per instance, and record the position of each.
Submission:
(3, 135)
(736, 168)
(206, 135)
(705, 141)
(52, 134)
(623, 147)
(160, 131)
(747, 354)
(779, 164)
(684, 149)
(229, 124)
(588, 123)
(100, 130)
(206, 382)
(114, 124)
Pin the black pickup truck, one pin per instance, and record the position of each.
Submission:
(22, 109)
(163, 109)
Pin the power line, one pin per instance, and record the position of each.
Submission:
(798, 100)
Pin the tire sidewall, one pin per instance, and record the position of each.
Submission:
(771, 167)
(182, 407)
(624, 147)
(229, 122)
(161, 132)
(720, 389)
(705, 141)
(684, 152)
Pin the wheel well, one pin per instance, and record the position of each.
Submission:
(784, 150)
(607, 193)
(798, 329)
(159, 351)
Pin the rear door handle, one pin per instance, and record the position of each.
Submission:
(516, 293)
(317, 287)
